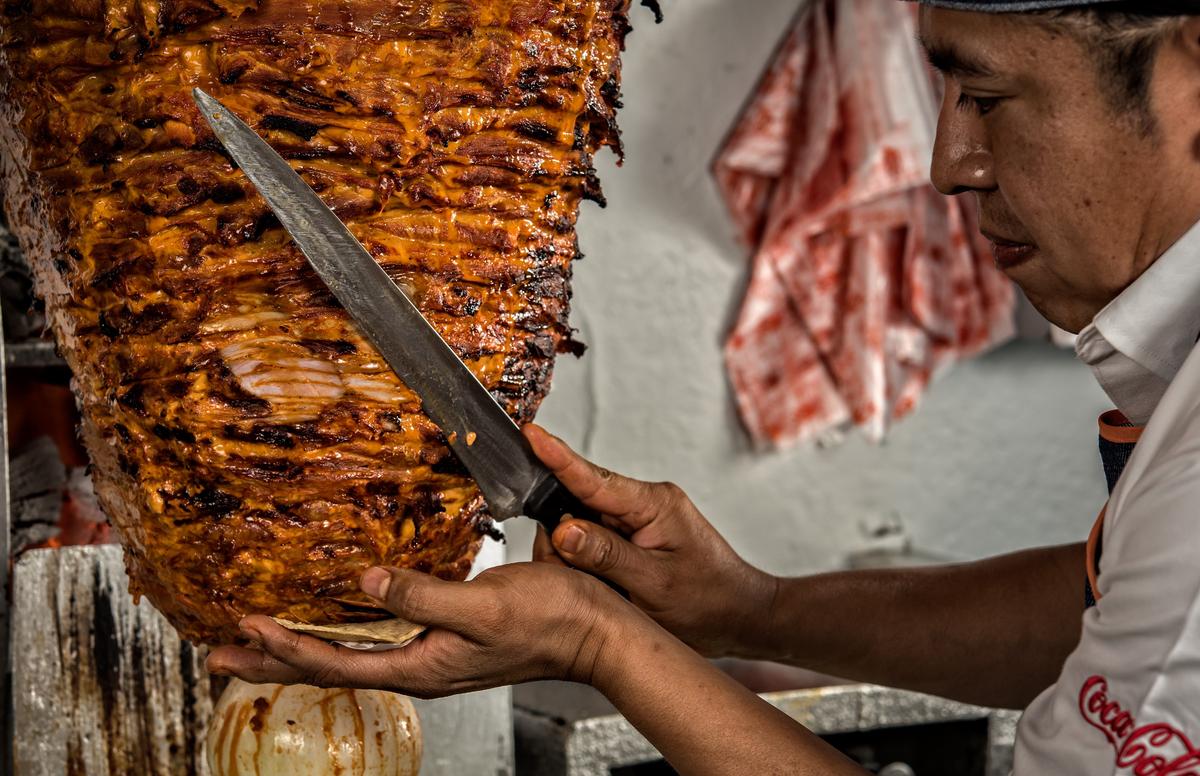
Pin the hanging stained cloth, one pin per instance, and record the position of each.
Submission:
(866, 282)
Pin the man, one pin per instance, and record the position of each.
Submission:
(1078, 131)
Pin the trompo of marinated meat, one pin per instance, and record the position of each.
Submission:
(251, 448)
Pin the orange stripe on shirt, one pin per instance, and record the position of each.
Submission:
(1116, 428)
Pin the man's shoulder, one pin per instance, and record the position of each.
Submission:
(1127, 695)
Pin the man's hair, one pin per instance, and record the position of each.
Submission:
(1125, 44)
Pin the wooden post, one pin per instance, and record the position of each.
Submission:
(100, 687)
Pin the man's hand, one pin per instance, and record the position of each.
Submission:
(674, 564)
(544, 621)
(512, 624)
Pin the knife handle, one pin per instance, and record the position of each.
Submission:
(551, 502)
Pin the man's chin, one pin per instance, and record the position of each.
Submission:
(1068, 316)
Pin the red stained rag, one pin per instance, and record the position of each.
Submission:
(866, 282)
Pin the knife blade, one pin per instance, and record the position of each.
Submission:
(487, 441)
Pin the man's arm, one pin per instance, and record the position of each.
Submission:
(702, 721)
(492, 631)
(995, 632)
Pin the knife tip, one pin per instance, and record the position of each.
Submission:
(207, 103)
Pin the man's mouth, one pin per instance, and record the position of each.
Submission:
(1009, 253)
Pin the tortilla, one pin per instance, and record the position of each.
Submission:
(393, 632)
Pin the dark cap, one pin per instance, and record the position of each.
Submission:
(1147, 7)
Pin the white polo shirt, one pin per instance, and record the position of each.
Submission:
(1128, 698)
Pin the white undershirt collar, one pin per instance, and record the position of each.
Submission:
(1137, 344)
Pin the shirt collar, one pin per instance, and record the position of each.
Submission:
(1137, 344)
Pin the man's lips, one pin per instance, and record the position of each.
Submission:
(1009, 253)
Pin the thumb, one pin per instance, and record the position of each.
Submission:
(423, 599)
(597, 550)
(543, 549)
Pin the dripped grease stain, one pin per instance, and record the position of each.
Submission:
(345, 717)
(189, 715)
(259, 722)
(127, 696)
(328, 722)
(405, 737)
(223, 741)
(241, 721)
(106, 651)
(360, 731)
(261, 707)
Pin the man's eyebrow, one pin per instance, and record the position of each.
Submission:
(949, 60)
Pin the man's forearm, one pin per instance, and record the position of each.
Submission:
(994, 632)
(702, 721)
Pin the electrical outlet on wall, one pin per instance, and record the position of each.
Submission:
(886, 543)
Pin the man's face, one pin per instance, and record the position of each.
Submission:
(1078, 199)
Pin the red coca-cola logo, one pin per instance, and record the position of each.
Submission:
(1150, 750)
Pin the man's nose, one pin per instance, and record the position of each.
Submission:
(962, 159)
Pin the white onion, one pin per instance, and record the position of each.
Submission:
(374, 388)
(263, 371)
(241, 322)
(273, 730)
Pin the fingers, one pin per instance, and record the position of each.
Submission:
(543, 549)
(251, 665)
(287, 657)
(424, 599)
(598, 488)
(601, 551)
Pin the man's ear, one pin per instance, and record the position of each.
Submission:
(1190, 37)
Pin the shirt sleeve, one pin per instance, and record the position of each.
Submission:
(1128, 698)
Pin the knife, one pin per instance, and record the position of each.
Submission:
(487, 441)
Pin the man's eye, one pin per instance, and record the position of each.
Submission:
(979, 105)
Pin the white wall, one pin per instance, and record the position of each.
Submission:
(1002, 454)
